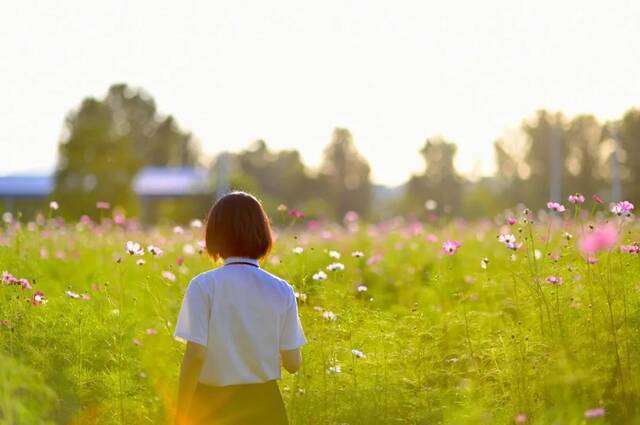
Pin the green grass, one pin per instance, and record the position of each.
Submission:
(446, 341)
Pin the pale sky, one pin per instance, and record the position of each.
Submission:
(393, 72)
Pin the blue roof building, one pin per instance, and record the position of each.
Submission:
(171, 182)
(26, 187)
(152, 185)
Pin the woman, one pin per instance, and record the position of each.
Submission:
(240, 324)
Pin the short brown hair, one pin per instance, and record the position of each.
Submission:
(237, 226)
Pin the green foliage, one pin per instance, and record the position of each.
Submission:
(445, 341)
(24, 397)
(586, 150)
(628, 131)
(106, 142)
(344, 177)
(440, 181)
(280, 177)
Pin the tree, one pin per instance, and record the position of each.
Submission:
(95, 163)
(344, 176)
(439, 182)
(628, 134)
(157, 140)
(106, 142)
(582, 159)
(276, 176)
(543, 131)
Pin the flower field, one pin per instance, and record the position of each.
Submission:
(529, 317)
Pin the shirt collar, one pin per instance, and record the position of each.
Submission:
(241, 260)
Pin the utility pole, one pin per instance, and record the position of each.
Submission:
(555, 164)
(616, 186)
(222, 175)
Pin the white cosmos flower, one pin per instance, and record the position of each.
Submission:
(154, 250)
(140, 262)
(72, 294)
(298, 250)
(357, 254)
(134, 248)
(54, 205)
(178, 230)
(301, 296)
(335, 369)
(188, 249)
(169, 276)
(335, 266)
(329, 315)
(7, 217)
(484, 263)
(319, 276)
(362, 288)
(334, 254)
(359, 354)
(196, 224)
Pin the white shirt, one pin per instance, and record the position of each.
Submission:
(244, 316)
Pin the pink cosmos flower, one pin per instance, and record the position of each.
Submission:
(555, 206)
(601, 238)
(521, 418)
(592, 260)
(374, 259)
(576, 198)
(597, 412)
(119, 218)
(38, 298)
(631, 249)
(622, 208)
(351, 217)
(597, 199)
(102, 205)
(450, 247)
(432, 238)
(24, 283)
(554, 280)
(295, 213)
(137, 342)
(8, 278)
(511, 220)
(151, 331)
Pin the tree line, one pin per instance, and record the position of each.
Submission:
(107, 141)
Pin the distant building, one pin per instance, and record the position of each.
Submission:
(189, 187)
(152, 185)
(160, 182)
(24, 192)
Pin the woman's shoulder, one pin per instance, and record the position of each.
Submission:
(277, 281)
(204, 277)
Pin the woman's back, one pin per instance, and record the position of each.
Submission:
(244, 316)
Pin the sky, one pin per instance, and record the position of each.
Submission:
(393, 72)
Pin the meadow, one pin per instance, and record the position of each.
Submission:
(530, 317)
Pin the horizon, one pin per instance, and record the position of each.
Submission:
(231, 73)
